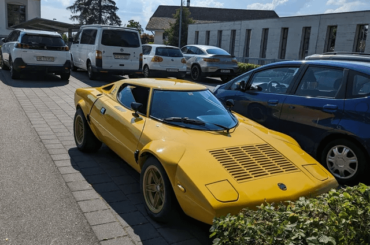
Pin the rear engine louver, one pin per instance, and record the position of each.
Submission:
(250, 162)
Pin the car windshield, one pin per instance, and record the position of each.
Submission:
(118, 38)
(217, 51)
(44, 40)
(191, 109)
(169, 52)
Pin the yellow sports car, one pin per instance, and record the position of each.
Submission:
(190, 148)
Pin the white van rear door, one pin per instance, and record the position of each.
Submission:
(121, 49)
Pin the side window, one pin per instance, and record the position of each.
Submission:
(76, 38)
(192, 50)
(16, 36)
(238, 80)
(147, 50)
(88, 37)
(321, 82)
(360, 84)
(274, 80)
(11, 36)
(161, 52)
(130, 93)
(199, 51)
(184, 50)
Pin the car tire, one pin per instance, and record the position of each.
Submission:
(161, 193)
(225, 78)
(90, 72)
(85, 139)
(196, 73)
(73, 67)
(65, 76)
(347, 168)
(3, 65)
(146, 72)
(13, 73)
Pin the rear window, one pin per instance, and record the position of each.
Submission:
(168, 52)
(118, 38)
(217, 51)
(49, 41)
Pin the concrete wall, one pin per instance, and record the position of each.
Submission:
(346, 32)
(158, 37)
(33, 10)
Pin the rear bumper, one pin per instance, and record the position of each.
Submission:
(21, 66)
(116, 72)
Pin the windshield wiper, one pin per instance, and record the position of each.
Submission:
(184, 120)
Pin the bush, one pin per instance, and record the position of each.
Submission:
(245, 67)
(338, 217)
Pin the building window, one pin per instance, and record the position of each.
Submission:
(196, 39)
(247, 42)
(283, 42)
(219, 39)
(208, 33)
(16, 14)
(361, 36)
(232, 42)
(331, 36)
(305, 43)
(264, 39)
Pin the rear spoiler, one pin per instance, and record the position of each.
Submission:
(222, 56)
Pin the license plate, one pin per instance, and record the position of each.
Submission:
(121, 56)
(44, 58)
(225, 71)
(173, 70)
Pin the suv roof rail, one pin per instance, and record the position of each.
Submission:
(101, 25)
(348, 53)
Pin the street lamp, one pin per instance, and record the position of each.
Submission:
(180, 25)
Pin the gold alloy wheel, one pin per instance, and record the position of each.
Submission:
(153, 188)
(79, 129)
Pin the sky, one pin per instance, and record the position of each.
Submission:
(142, 10)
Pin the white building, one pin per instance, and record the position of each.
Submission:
(287, 37)
(14, 12)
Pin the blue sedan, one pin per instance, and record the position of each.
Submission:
(323, 105)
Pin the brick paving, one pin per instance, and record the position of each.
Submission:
(104, 186)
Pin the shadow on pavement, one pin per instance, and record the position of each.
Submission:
(118, 184)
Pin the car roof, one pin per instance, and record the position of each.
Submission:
(204, 46)
(165, 84)
(51, 33)
(108, 27)
(159, 45)
(353, 65)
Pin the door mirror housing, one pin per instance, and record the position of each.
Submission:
(242, 85)
(136, 107)
(3, 40)
(229, 104)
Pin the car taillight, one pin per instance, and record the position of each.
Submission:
(66, 48)
(22, 45)
(98, 55)
(157, 59)
(141, 57)
(211, 60)
(183, 60)
(234, 61)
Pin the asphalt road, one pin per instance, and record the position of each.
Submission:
(36, 206)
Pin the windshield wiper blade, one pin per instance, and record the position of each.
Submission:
(184, 120)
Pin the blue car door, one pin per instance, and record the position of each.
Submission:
(266, 91)
(315, 107)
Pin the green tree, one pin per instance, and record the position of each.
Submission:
(135, 24)
(146, 38)
(65, 38)
(95, 12)
(172, 33)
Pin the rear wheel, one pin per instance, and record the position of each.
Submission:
(345, 160)
(84, 137)
(90, 72)
(146, 72)
(196, 73)
(13, 73)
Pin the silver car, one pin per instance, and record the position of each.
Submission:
(208, 61)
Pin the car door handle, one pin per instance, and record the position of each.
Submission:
(103, 110)
(273, 102)
(330, 108)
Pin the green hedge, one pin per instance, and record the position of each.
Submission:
(338, 217)
(245, 67)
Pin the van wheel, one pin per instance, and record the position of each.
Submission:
(73, 67)
(146, 72)
(13, 73)
(90, 72)
(84, 137)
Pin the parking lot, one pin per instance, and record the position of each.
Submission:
(104, 187)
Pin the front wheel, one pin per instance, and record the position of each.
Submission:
(13, 73)
(156, 190)
(3, 66)
(90, 72)
(345, 160)
(84, 137)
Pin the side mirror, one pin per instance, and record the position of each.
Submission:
(136, 107)
(3, 40)
(230, 103)
(242, 85)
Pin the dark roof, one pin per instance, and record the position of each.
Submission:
(163, 14)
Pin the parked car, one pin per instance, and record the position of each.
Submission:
(25, 51)
(162, 60)
(348, 56)
(324, 105)
(101, 49)
(208, 61)
(187, 145)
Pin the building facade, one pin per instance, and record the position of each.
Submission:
(288, 38)
(13, 12)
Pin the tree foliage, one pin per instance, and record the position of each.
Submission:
(95, 12)
(136, 25)
(172, 33)
(146, 38)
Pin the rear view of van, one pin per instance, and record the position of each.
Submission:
(101, 49)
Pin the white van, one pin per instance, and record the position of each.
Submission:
(102, 49)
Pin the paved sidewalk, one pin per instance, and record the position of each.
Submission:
(105, 188)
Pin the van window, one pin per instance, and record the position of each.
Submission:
(168, 52)
(88, 37)
(118, 38)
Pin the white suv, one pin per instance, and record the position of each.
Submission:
(101, 49)
(26, 51)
